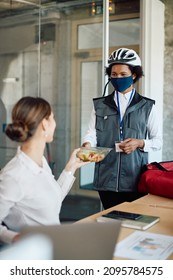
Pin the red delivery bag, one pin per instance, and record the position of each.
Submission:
(157, 179)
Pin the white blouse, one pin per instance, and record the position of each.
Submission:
(30, 195)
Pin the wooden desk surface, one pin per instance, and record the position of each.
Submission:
(164, 226)
(156, 201)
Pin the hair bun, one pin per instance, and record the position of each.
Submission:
(19, 124)
(17, 131)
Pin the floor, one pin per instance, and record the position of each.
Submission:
(77, 207)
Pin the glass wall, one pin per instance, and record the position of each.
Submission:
(53, 49)
(19, 60)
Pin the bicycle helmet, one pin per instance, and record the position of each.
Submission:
(124, 56)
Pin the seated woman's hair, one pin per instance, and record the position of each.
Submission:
(27, 114)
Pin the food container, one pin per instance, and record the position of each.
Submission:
(95, 154)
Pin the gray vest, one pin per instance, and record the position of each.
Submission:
(120, 172)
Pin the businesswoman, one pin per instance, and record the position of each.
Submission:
(29, 193)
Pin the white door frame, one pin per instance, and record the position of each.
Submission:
(152, 55)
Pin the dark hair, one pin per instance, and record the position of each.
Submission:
(134, 69)
(27, 114)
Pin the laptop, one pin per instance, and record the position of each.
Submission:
(33, 247)
(79, 241)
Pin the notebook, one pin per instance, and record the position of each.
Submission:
(130, 220)
(80, 241)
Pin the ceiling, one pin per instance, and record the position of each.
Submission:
(17, 4)
(23, 9)
(14, 7)
(7, 5)
(11, 7)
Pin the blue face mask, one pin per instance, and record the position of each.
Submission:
(121, 84)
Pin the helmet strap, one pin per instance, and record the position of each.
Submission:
(106, 86)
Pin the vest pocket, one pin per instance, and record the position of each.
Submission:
(106, 122)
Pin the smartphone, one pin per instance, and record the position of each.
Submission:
(122, 215)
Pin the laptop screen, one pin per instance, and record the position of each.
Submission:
(80, 241)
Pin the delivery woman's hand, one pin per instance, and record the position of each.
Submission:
(129, 145)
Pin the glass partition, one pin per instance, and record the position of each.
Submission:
(121, 32)
(53, 49)
(19, 60)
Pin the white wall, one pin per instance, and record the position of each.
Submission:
(152, 54)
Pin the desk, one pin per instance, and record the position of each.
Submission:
(156, 201)
(165, 225)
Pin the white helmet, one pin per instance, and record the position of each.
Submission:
(124, 56)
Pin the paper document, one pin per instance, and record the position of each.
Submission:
(142, 245)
